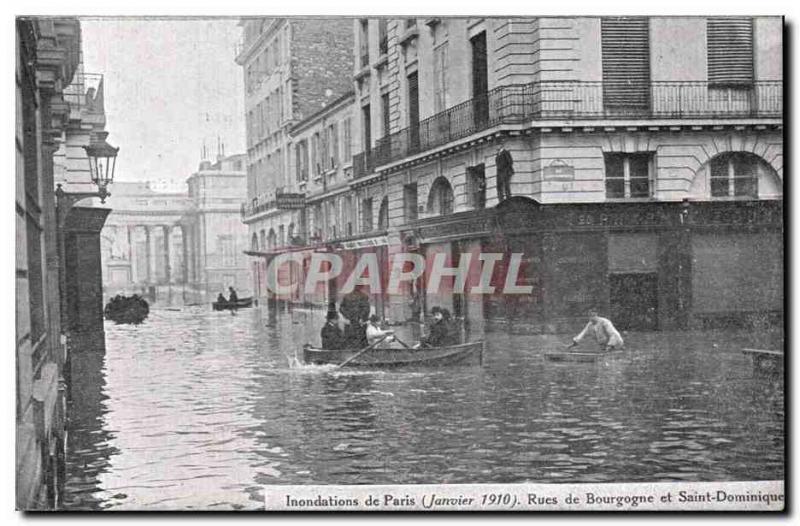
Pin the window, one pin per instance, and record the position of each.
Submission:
(383, 214)
(315, 146)
(366, 215)
(385, 111)
(410, 205)
(625, 43)
(333, 145)
(383, 37)
(440, 78)
(476, 181)
(302, 160)
(364, 41)
(282, 235)
(227, 250)
(347, 141)
(348, 215)
(440, 201)
(263, 238)
(628, 175)
(366, 125)
(730, 51)
(734, 175)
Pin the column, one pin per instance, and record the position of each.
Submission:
(131, 230)
(185, 262)
(166, 230)
(149, 267)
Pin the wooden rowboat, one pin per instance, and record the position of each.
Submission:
(241, 303)
(463, 354)
(583, 357)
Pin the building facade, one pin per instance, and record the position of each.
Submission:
(179, 247)
(47, 58)
(293, 68)
(634, 163)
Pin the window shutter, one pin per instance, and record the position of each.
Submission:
(626, 62)
(730, 51)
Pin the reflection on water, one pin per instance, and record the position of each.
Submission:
(195, 409)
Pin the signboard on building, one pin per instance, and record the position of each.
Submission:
(290, 201)
(377, 241)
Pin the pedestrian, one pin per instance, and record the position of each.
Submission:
(375, 334)
(437, 331)
(504, 165)
(605, 334)
(331, 335)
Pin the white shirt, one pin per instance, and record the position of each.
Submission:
(604, 333)
(375, 333)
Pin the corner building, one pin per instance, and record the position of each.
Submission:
(647, 162)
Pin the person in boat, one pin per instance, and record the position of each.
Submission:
(355, 335)
(331, 335)
(376, 334)
(453, 334)
(221, 299)
(437, 331)
(355, 306)
(233, 297)
(604, 332)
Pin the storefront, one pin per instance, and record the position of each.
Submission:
(648, 266)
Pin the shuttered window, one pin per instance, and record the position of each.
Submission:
(730, 51)
(626, 62)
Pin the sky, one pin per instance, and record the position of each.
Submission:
(169, 86)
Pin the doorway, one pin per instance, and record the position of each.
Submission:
(634, 301)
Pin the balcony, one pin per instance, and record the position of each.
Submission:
(576, 101)
(363, 164)
(85, 93)
(258, 205)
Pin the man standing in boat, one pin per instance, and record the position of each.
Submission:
(604, 332)
(331, 335)
(233, 297)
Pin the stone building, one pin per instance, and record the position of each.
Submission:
(293, 68)
(635, 164)
(647, 160)
(47, 58)
(179, 247)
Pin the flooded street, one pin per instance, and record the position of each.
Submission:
(196, 409)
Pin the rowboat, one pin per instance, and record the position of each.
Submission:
(463, 354)
(241, 303)
(583, 357)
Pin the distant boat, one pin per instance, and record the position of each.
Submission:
(241, 303)
(463, 354)
(570, 356)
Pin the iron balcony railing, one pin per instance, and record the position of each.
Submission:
(257, 206)
(575, 100)
(84, 91)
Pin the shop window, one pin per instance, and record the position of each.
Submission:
(734, 175)
(628, 175)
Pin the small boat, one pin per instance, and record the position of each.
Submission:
(583, 357)
(462, 354)
(766, 361)
(241, 303)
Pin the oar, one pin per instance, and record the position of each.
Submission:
(359, 353)
(401, 342)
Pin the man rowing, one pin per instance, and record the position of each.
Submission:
(604, 332)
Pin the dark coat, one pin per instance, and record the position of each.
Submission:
(505, 164)
(355, 336)
(437, 335)
(332, 337)
(234, 298)
(355, 306)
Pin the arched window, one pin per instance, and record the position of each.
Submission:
(383, 214)
(271, 239)
(263, 236)
(290, 234)
(282, 236)
(254, 242)
(440, 199)
(737, 175)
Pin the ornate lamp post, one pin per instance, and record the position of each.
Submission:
(102, 162)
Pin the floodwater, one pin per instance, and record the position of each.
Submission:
(197, 410)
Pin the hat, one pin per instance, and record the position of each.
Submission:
(374, 318)
(434, 310)
(332, 315)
